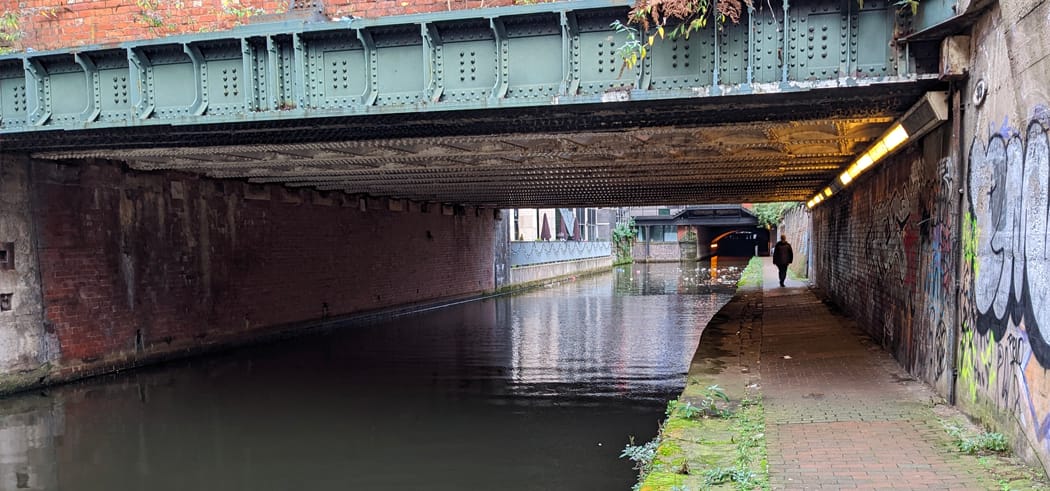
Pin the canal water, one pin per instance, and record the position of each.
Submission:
(534, 391)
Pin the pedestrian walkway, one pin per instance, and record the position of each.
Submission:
(840, 412)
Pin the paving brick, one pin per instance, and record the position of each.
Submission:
(840, 412)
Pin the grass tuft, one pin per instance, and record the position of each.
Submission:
(752, 275)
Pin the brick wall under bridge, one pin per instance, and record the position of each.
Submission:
(139, 266)
(942, 252)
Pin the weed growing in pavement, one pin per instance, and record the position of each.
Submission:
(749, 425)
(967, 443)
(740, 461)
(984, 442)
(742, 476)
(642, 456)
(686, 410)
(708, 406)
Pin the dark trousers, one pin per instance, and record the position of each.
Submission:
(783, 272)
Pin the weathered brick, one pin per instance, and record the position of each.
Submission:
(52, 24)
(225, 267)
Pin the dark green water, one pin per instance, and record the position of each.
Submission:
(537, 391)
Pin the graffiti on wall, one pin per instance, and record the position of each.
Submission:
(936, 230)
(896, 236)
(1006, 338)
(1009, 184)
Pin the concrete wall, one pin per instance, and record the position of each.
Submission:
(137, 266)
(656, 251)
(524, 275)
(25, 346)
(50, 24)
(1005, 326)
(968, 203)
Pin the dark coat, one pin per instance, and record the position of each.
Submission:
(782, 253)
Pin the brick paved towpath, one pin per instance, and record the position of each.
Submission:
(840, 413)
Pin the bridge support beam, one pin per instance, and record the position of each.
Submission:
(533, 56)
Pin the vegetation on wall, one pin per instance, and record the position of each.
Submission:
(770, 214)
(669, 19)
(10, 31)
(650, 20)
(239, 11)
(152, 16)
(623, 236)
(159, 15)
(689, 236)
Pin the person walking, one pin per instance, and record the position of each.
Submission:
(782, 257)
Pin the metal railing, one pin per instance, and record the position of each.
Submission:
(529, 253)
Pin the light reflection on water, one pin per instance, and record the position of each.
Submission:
(511, 393)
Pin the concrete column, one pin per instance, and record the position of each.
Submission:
(501, 256)
(703, 242)
(23, 341)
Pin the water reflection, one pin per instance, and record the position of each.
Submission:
(512, 393)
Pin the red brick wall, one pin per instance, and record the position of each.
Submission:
(52, 24)
(186, 262)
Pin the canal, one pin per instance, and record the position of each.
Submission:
(534, 391)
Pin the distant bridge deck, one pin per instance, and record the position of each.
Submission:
(705, 216)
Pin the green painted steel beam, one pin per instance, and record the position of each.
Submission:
(514, 57)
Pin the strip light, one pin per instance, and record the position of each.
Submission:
(924, 116)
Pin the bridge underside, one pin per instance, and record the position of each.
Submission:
(728, 149)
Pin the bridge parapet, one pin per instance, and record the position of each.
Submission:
(525, 56)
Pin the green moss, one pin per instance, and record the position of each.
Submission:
(668, 449)
(14, 382)
(661, 480)
(752, 275)
(692, 451)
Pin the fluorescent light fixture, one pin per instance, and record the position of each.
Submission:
(877, 151)
(895, 137)
(924, 116)
(861, 165)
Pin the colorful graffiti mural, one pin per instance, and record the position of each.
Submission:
(1005, 345)
(936, 230)
(1009, 184)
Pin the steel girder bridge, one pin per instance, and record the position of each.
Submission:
(516, 106)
